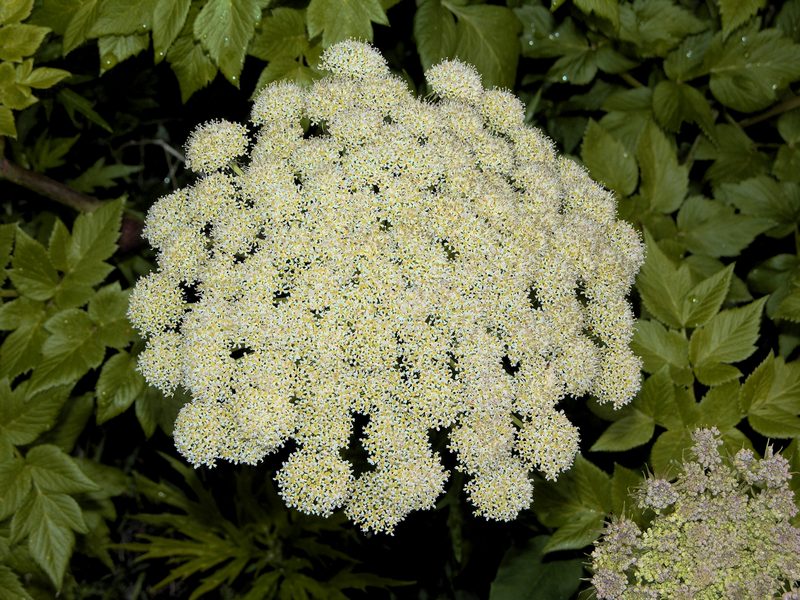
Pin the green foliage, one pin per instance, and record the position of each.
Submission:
(263, 551)
(62, 321)
(19, 41)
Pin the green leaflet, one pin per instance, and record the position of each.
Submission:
(20, 40)
(24, 416)
(524, 576)
(169, 17)
(224, 28)
(482, 35)
(281, 35)
(737, 12)
(728, 337)
(676, 103)
(118, 386)
(576, 504)
(608, 161)
(32, 274)
(771, 398)
(664, 181)
(748, 70)
(14, 11)
(189, 61)
(338, 20)
(434, 32)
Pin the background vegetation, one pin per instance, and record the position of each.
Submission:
(685, 108)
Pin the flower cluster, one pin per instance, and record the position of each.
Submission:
(721, 530)
(428, 265)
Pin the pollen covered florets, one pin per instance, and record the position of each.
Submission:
(213, 145)
(721, 530)
(423, 266)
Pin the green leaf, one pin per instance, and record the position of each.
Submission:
(487, 38)
(20, 40)
(624, 484)
(169, 17)
(716, 373)
(434, 32)
(736, 156)
(21, 350)
(15, 483)
(100, 175)
(659, 347)
(676, 103)
(720, 406)
(7, 126)
(94, 235)
(122, 18)
(33, 274)
(728, 337)
(338, 20)
(581, 494)
(608, 9)
(71, 422)
(656, 26)
(113, 49)
(608, 161)
(71, 350)
(634, 429)
(80, 25)
(662, 286)
(108, 310)
(6, 241)
(764, 198)
(705, 299)
(664, 181)
(224, 28)
(54, 471)
(118, 386)
(737, 12)
(190, 63)
(14, 11)
(23, 419)
(523, 576)
(771, 398)
(154, 410)
(789, 307)
(10, 585)
(669, 451)
(715, 229)
(576, 534)
(74, 102)
(788, 19)
(281, 35)
(48, 520)
(286, 69)
(44, 77)
(49, 152)
(687, 61)
(748, 71)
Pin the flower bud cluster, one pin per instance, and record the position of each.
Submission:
(428, 265)
(721, 530)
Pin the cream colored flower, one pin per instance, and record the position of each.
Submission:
(430, 266)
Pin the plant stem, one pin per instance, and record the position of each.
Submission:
(47, 187)
(786, 105)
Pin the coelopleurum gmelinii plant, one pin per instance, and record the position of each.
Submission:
(721, 530)
(429, 265)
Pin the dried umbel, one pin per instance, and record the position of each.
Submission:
(428, 265)
(721, 530)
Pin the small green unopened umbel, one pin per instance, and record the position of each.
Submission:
(429, 265)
